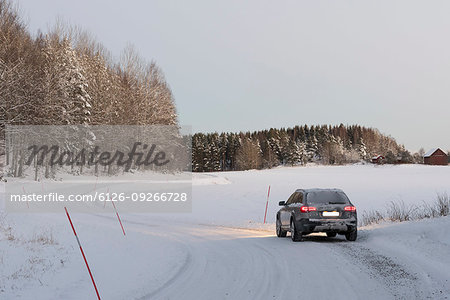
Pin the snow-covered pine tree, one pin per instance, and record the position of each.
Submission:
(197, 153)
(293, 153)
(213, 152)
(301, 145)
(223, 145)
(362, 150)
(312, 149)
(274, 144)
(66, 81)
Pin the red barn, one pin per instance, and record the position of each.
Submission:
(379, 159)
(435, 157)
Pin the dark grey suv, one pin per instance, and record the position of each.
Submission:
(317, 210)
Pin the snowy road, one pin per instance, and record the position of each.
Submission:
(238, 263)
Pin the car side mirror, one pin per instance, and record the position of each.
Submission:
(282, 203)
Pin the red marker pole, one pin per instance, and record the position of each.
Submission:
(82, 253)
(117, 214)
(267, 204)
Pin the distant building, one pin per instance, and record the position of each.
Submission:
(435, 157)
(379, 159)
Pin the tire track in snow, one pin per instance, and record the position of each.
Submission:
(242, 263)
(183, 269)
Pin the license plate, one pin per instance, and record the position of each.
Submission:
(330, 214)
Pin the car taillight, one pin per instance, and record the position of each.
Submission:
(305, 209)
(350, 208)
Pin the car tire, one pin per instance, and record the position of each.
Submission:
(331, 234)
(280, 231)
(352, 235)
(295, 235)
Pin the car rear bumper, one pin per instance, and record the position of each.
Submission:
(326, 225)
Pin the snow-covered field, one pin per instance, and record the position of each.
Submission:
(223, 251)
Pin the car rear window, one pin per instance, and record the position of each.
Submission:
(327, 197)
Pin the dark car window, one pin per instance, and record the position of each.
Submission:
(327, 197)
(291, 199)
(298, 198)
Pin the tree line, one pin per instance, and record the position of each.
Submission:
(66, 77)
(299, 145)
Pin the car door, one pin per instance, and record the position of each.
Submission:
(297, 202)
(285, 213)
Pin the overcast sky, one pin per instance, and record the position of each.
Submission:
(248, 65)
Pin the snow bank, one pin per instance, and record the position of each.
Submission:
(423, 247)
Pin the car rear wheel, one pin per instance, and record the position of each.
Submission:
(295, 235)
(331, 234)
(280, 231)
(352, 235)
